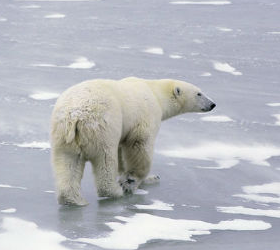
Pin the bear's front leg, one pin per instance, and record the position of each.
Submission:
(138, 156)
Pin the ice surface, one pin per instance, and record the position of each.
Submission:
(154, 50)
(206, 74)
(225, 67)
(44, 96)
(216, 118)
(225, 155)
(142, 228)
(202, 2)
(250, 211)
(18, 234)
(156, 205)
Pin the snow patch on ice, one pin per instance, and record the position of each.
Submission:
(225, 67)
(273, 104)
(277, 116)
(198, 41)
(2, 19)
(56, 15)
(256, 193)
(8, 211)
(224, 29)
(206, 74)
(34, 144)
(154, 50)
(249, 211)
(141, 228)
(216, 118)
(274, 32)
(32, 6)
(44, 96)
(81, 63)
(225, 155)
(156, 205)
(175, 56)
(9, 186)
(25, 235)
(49, 191)
(202, 2)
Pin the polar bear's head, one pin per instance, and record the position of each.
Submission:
(178, 97)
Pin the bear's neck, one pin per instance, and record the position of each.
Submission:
(162, 95)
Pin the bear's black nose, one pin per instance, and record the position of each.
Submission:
(213, 105)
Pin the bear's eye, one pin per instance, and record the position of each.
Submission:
(177, 91)
(199, 94)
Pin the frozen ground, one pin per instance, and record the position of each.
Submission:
(220, 172)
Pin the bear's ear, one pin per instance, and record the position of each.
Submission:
(177, 92)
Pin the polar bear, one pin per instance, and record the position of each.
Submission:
(113, 124)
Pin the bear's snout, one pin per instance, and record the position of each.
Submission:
(213, 105)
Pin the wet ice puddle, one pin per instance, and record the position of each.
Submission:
(133, 231)
(225, 67)
(225, 155)
(156, 205)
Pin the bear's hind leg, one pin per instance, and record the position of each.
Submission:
(105, 169)
(68, 171)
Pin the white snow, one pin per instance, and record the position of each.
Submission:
(44, 96)
(2, 19)
(257, 193)
(133, 231)
(202, 2)
(56, 15)
(206, 74)
(175, 56)
(249, 211)
(198, 41)
(20, 234)
(156, 205)
(34, 144)
(225, 67)
(224, 29)
(9, 186)
(216, 118)
(277, 116)
(225, 155)
(8, 211)
(81, 63)
(49, 191)
(32, 6)
(154, 50)
(274, 32)
(273, 104)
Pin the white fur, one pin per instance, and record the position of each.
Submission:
(113, 124)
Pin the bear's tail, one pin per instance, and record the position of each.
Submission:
(71, 131)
